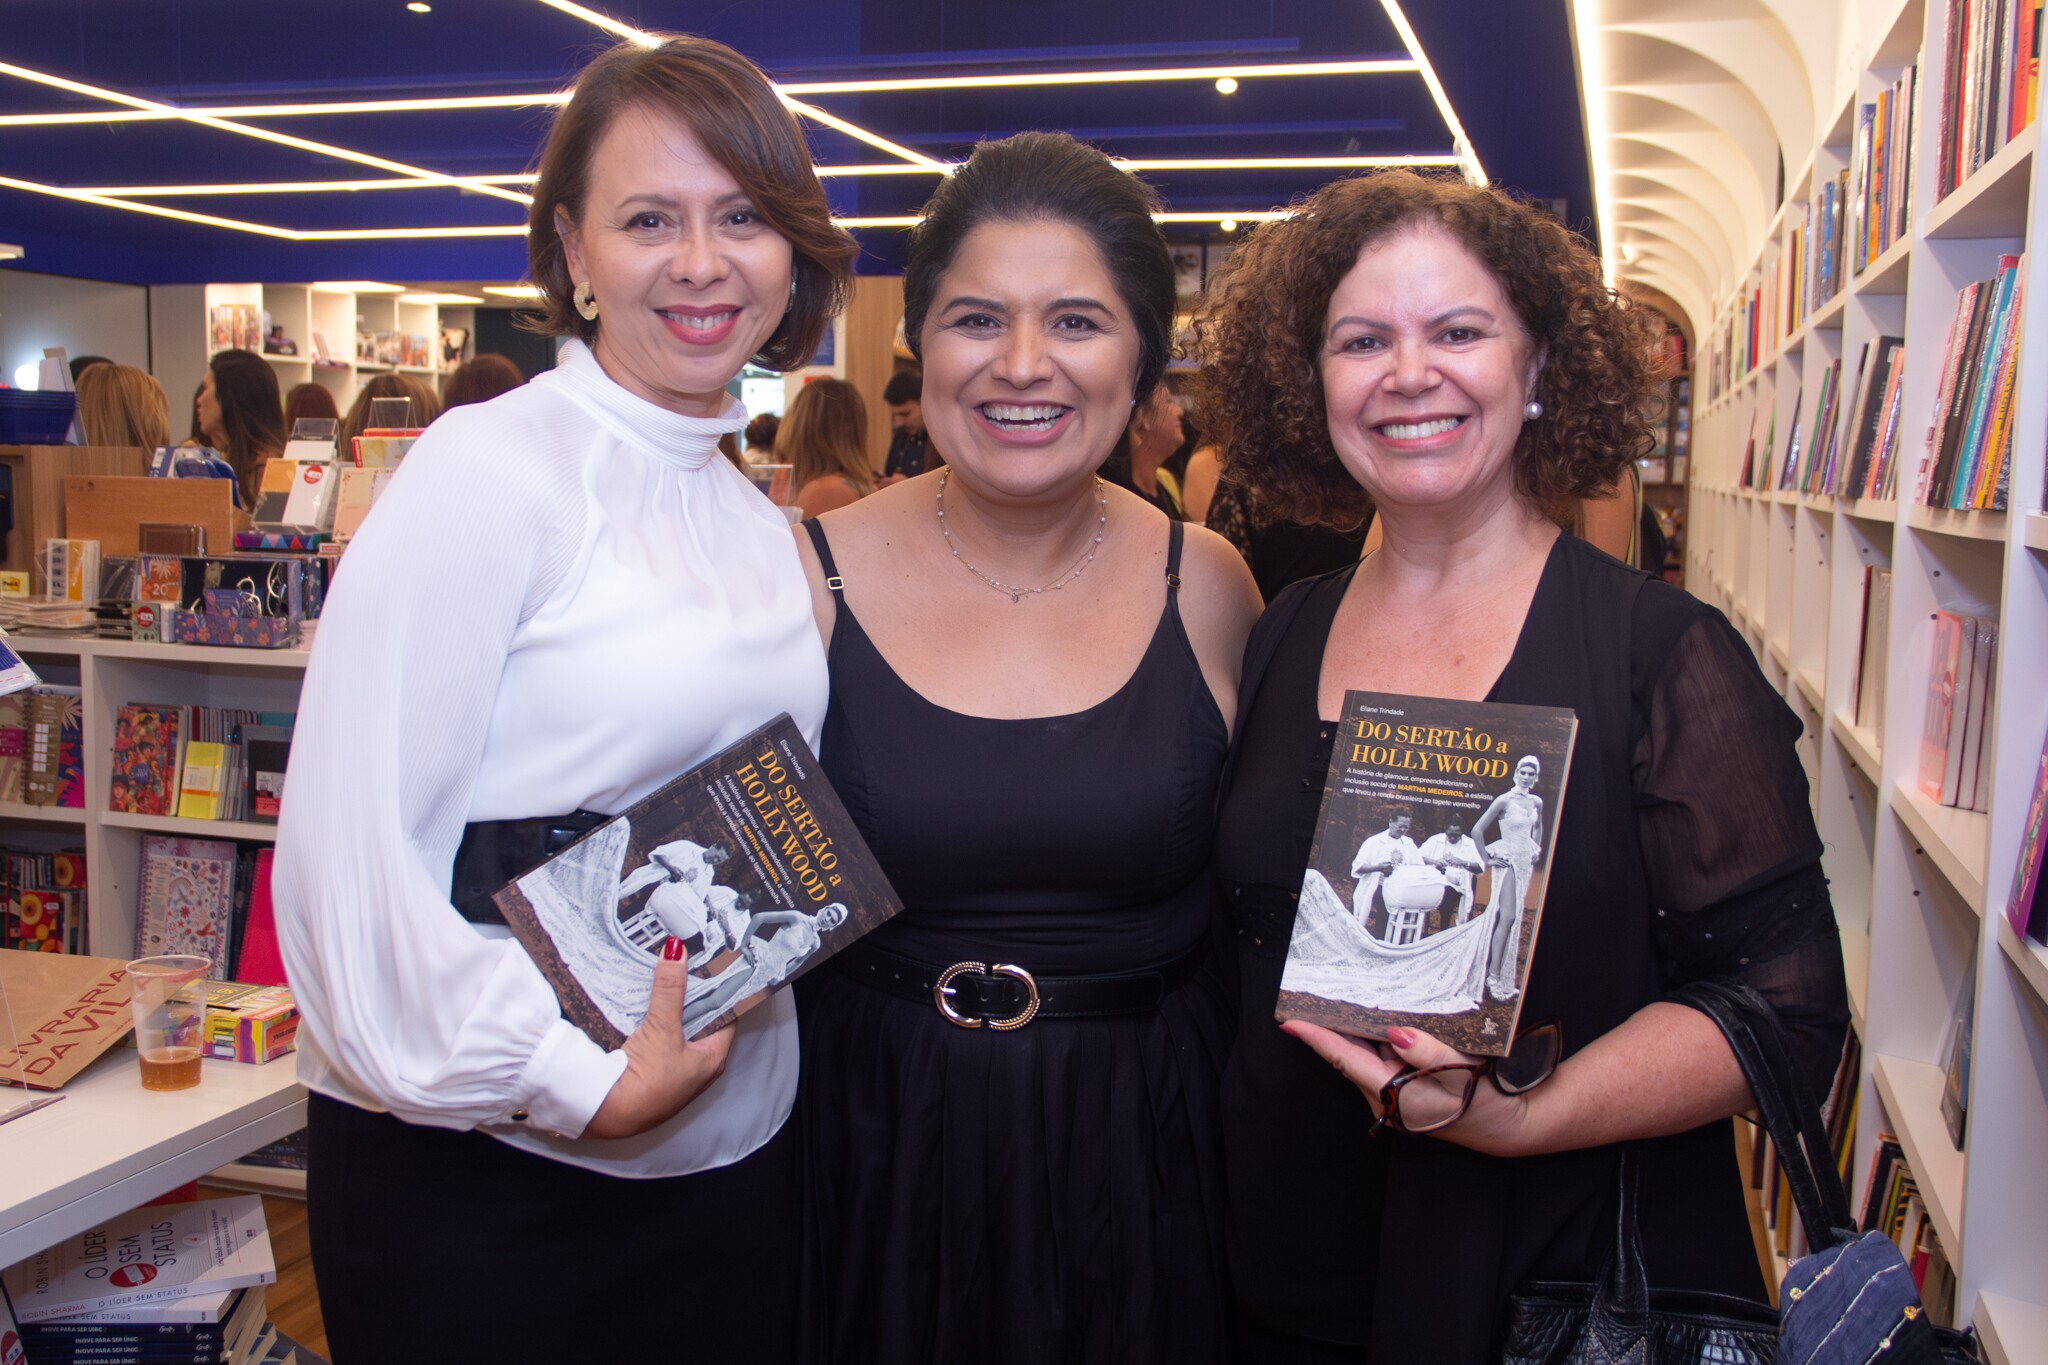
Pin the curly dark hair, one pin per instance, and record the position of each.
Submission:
(1259, 334)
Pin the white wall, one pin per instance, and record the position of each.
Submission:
(85, 317)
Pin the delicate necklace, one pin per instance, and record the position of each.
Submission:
(1017, 593)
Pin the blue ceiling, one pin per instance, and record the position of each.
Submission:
(1506, 65)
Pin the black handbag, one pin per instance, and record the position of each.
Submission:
(1850, 1300)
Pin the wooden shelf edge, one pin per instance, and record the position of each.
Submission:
(2012, 162)
(2031, 959)
(1887, 274)
(1810, 688)
(193, 829)
(1966, 524)
(213, 655)
(2014, 1331)
(1954, 840)
(1871, 509)
(1781, 654)
(49, 815)
(2034, 531)
(1856, 970)
(1912, 1099)
(1862, 746)
(243, 1175)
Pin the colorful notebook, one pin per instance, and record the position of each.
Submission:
(187, 899)
(147, 743)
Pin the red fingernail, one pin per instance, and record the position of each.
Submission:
(1401, 1037)
(675, 950)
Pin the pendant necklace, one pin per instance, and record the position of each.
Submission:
(1016, 592)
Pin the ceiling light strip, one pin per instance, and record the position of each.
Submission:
(605, 22)
(1436, 89)
(854, 130)
(262, 134)
(1373, 67)
(1586, 47)
(156, 210)
(1286, 163)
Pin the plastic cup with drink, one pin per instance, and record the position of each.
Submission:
(170, 1011)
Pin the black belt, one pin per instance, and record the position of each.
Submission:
(494, 852)
(1004, 996)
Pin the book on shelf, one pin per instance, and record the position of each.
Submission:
(1990, 83)
(187, 899)
(749, 857)
(1876, 372)
(42, 900)
(1969, 445)
(146, 1255)
(213, 1327)
(1820, 444)
(1436, 934)
(148, 743)
(249, 1023)
(1791, 460)
(1955, 1081)
(1872, 651)
(54, 718)
(1958, 701)
(13, 746)
(2024, 907)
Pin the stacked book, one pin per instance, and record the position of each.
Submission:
(42, 901)
(1809, 467)
(1968, 455)
(1991, 77)
(1873, 645)
(1894, 1207)
(1959, 704)
(1820, 243)
(199, 762)
(164, 1282)
(1883, 165)
(1870, 442)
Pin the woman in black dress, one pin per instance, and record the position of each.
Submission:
(1008, 1092)
(1442, 355)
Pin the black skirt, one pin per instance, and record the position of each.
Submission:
(433, 1245)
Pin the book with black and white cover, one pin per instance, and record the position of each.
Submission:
(1424, 889)
(749, 857)
(161, 1251)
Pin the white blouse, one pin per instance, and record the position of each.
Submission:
(565, 598)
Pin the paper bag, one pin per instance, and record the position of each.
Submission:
(67, 1009)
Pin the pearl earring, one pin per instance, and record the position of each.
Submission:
(586, 304)
(1532, 409)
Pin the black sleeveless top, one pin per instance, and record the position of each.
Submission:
(1052, 1193)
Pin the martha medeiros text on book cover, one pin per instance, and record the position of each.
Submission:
(1425, 883)
(749, 858)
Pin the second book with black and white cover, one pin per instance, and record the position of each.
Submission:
(1424, 888)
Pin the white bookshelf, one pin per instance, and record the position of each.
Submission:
(337, 314)
(109, 674)
(1919, 889)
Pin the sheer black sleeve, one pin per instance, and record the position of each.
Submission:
(1727, 834)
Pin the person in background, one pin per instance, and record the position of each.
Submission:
(729, 446)
(480, 378)
(241, 414)
(1031, 677)
(425, 406)
(910, 445)
(1198, 483)
(761, 437)
(119, 405)
(821, 440)
(564, 600)
(80, 364)
(1137, 462)
(1447, 355)
(308, 400)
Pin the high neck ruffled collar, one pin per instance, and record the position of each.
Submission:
(688, 442)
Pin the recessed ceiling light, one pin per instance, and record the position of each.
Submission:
(9, 252)
(420, 7)
(439, 298)
(357, 287)
(512, 291)
(1226, 85)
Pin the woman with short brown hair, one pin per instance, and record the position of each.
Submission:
(564, 600)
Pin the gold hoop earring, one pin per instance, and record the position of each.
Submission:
(586, 305)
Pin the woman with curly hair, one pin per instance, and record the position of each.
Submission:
(1451, 360)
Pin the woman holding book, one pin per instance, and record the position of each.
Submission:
(1447, 358)
(1009, 1090)
(608, 604)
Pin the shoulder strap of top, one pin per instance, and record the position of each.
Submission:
(824, 549)
(1174, 537)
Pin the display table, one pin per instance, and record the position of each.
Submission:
(110, 1145)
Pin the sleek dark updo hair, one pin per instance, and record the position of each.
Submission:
(736, 115)
(1051, 178)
